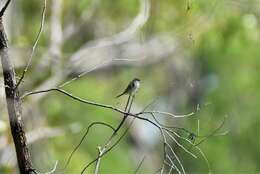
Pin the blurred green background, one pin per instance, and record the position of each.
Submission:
(193, 55)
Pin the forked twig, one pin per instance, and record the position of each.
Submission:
(157, 124)
(213, 132)
(82, 139)
(107, 144)
(102, 151)
(109, 149)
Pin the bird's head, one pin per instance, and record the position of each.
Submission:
(136, 80)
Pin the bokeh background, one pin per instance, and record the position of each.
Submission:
(191, 55)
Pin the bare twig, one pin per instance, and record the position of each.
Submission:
(53, 169)
(181, 146)
(213, 132)
(98, 161)
(166, 144)
(172, 165)
(107, 144)
(196, 147)
(34, 45)
(91, 103)
(157, 124)
(205, 159)
(167, 132)
(82, 139)
(102, 105)
(109, 149)
(88, 70)
(177, 158)
(83, 74)
(75, 98)
(50, 172)
(139, 165)
(169, 114)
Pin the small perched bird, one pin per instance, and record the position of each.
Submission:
(131, 88)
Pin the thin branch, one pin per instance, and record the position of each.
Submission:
(139, 165)
(100, 105)
(50, 172)
(186, 150)
(129, 114)
(170, 171)
(83, 73)
(175, 167)
(197, 147)
(111, 148)
(205, 158)
(169, 114)
(181, 146)
(35, 44)
(166, 144)
(97, 66)
(98, 161)
(94, 104)
(82, 139)
(102, 150)
(201, 152)
(170, 127)
(75, 98)
(54, 168)
(213, 132)
(178, 159)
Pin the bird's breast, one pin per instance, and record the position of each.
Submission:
(137, 84)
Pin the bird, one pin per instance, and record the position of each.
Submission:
(132, 87)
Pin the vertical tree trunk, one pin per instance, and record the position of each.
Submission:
(14, 104)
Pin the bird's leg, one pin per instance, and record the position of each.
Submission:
(131, 102)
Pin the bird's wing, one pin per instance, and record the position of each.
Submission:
(129, 87)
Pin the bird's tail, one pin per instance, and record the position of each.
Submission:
(120, 95)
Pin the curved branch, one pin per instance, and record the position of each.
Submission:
(108, 150)
(103, 105)
(109, 141)
(75, 98)
(118, 38)
(82, 139)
